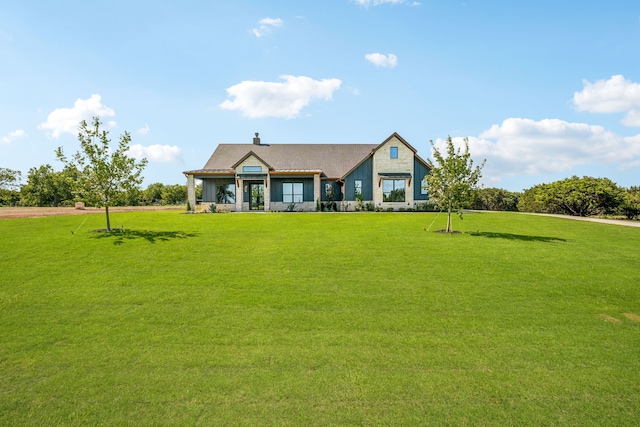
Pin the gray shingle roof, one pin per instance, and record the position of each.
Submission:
(334, 160)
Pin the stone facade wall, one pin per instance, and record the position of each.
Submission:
(383, 163)
(191, 192)
(301, 206)
(220, 207)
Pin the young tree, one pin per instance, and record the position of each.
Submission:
(104, 175)
(452, 181)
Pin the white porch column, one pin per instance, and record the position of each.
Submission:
(191, 192)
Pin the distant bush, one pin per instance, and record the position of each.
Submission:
(630, 208)
(495, 199)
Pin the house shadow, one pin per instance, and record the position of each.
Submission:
(120, 236)
(509, 236)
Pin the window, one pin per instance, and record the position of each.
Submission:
(226, 193)
(393, 190)
(358, 188)
(252, 169)
(423, 187)
(292, 192)
(394, 152)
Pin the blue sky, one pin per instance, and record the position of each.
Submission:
(543, 90)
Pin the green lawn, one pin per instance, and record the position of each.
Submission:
(318, 319)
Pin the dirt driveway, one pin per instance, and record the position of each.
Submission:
(31, 212)
(624, 222)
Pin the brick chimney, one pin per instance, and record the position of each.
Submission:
(256, 140)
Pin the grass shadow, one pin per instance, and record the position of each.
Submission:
(524, 238)
(119, 236)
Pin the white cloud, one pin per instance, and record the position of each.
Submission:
(616, 95)
(527, 147)
(257, 99)
(632, 118)
(156, 153)
(67, 120)
(144, 130)
(381, 60)
(13, 135)
(266, 26)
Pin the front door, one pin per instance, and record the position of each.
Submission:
(256, 197)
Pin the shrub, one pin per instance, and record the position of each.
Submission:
(427, 206)
(584, 196)
(630, 208)
(291, 207)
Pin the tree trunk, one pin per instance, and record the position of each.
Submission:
(106, 210)
(448, 230)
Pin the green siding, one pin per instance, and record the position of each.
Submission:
(364, 173)
(276, 188)
(210, 186)
(420, 171)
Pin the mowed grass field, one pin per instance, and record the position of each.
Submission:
(318, 319)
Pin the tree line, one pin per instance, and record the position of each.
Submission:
(452, 185)
(577, 196)
(96, 175)
(46, 187)
(586, 196)
(103, 177)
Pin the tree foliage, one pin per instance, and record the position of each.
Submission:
(9, 184)
(105, 176)
(495, 199)
(576, 196)
(152, 195)
(452, 180)
(10, 179)
(46, 187)
(630, 208)
(160, 194)
(175, 194)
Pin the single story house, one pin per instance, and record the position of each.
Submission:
(305, 177)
